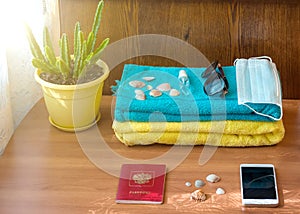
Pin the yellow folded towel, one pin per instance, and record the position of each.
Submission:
(216, 133)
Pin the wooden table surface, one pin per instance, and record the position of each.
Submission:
(44, 170)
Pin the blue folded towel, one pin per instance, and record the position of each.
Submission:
(193, 106)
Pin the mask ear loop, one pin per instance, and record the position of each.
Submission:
(258, 57)
(262, 57)
(235, 61)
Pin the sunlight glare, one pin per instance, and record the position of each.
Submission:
(13, 15)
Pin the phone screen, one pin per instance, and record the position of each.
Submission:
(258, 183)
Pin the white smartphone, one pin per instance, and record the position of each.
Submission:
(258, 185)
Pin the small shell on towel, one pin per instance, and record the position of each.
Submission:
(198, 195)
(213, 178)
(164, 87)
(148, 79)
(174, 92)
(138, 91)
(140, 96)
(149, 87)
(155, 93)
(220, 191)
(137, 84)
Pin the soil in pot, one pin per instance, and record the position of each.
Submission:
(93, 72)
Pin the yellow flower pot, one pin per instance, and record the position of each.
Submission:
(74, 107)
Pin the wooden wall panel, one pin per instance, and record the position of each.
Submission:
(220, 29)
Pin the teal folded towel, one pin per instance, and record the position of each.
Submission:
(192, 106)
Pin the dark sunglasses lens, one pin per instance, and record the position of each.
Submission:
(209, 69)
(214, 86)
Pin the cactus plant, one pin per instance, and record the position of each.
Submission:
(68, 66)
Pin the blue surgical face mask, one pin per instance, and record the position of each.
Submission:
(258, 82)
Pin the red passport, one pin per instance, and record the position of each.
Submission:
(141, 184)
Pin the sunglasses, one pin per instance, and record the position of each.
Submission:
(216, 82)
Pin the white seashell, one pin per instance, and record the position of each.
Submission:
(148, 79)
(164, 87)
(199, 183)
(155, 93)
(149, 87)
(138, 91)
(137, 84)
(174, 92)
(213, 178)
(188, 184)
(198, 195)
(140, 96)
(220, 191)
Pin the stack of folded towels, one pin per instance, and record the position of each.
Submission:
(153, 105)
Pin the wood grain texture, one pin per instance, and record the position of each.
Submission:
(220, 29)
(44, 170)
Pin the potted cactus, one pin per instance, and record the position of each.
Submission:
(72, 83)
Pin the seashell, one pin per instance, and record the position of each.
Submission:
(213, 178)
(140, 96)
(174, 92)
(138, 91)
(137, 84)
(149, 87)
(220, 191)
(164, 87)
(188, 184)
(148, 79)
(199, 183)
(198, 195)
(155, 93)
